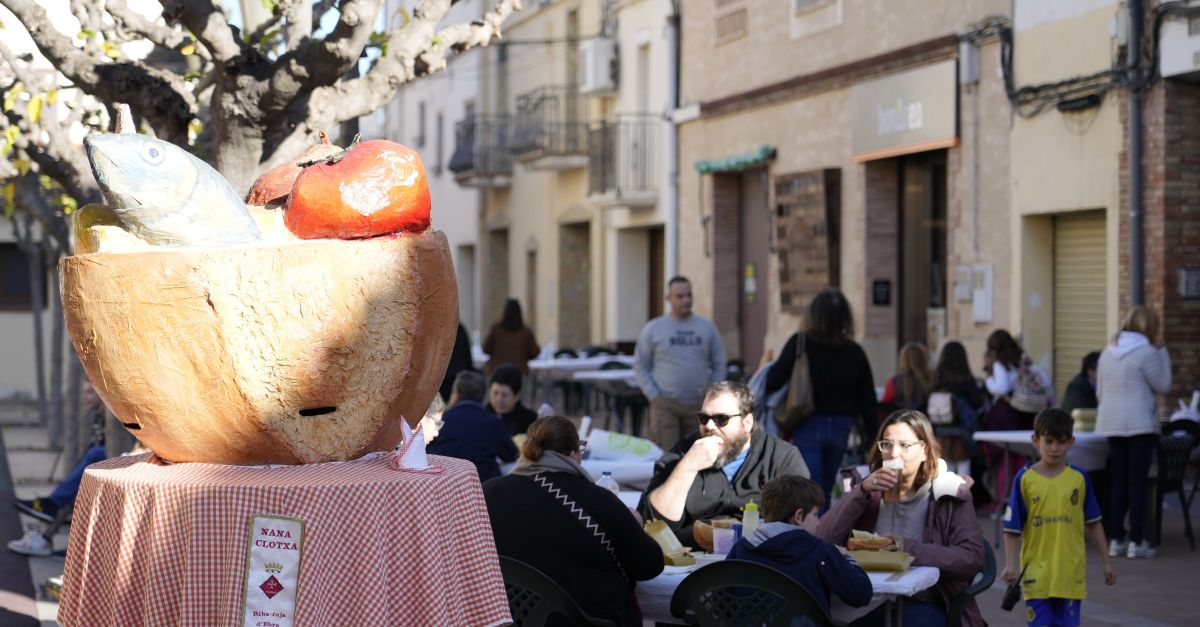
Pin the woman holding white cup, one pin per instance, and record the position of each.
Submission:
(926, 510)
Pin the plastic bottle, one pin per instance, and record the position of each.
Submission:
(749, 518)
(606, 481)
(548, 349)
(545, 410)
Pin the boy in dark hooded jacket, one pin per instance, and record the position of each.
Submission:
(786, 543)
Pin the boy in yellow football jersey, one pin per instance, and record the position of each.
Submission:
(1051, 506)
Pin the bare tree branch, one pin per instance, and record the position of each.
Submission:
(461, 37)
(349, 99)
(158, 95)
(88, 19)
(163, 36)
(262, 29)
(56, 157)
(321, 62)
(299, 17)
(30, 196)
(208, 23)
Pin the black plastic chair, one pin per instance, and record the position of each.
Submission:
(737, 592)
(572, 391)
(983, 581)
(533, 597)
(735, 370)
(595, 351)
(622, 398)
(1178, 439)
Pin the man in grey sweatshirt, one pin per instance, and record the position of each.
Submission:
(677, 355)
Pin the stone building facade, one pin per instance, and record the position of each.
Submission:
(834, 143)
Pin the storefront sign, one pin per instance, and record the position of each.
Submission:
(903, 113)
(272, 571)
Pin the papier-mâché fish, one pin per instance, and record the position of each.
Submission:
(166, 196)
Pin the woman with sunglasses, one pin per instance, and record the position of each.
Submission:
(925, 509)
(549, 514)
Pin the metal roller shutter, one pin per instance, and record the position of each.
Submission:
(1079, 292)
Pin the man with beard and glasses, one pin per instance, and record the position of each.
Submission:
(717, 470)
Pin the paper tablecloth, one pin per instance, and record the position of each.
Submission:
(155, 544)
(654, 595)
(1089, 453)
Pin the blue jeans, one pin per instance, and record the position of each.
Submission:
(822, 443)
(1129, 465)
(69, 487)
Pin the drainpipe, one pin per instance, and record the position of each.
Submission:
(1136, 262)
(671, 234)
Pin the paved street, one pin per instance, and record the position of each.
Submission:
(1149, 593)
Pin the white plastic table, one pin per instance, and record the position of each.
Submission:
(632, 475)
(544, 372)
(621, 376)
(654, 596)
(1089, 453)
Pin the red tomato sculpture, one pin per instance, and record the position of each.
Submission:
(377, 187)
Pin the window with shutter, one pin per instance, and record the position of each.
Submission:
(732, 20)
(807, 214)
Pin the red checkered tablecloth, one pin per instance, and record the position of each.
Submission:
(156, 544)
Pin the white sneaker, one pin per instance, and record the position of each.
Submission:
(32, 543)
(1117, 549)
(1141, 550)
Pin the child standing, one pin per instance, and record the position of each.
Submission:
(1052, 504)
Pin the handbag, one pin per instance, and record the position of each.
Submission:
(799, 404)
(940, 408)
(1029, 391)
(1012, 594)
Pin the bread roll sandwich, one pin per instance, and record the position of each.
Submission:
(867, 541)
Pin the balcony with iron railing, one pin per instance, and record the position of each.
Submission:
(482, 158)
(622, 161)
(549, 132)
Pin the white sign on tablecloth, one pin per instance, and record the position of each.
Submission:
(272, 570)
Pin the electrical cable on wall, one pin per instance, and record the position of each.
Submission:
(1077, 92)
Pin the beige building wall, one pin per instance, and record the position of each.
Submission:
(643, 84)
(781, 43)
(540, 204)
(811, 129)
(1061, 162)
(980, 204)
(18, 374)
(538, 201)
(455, 208)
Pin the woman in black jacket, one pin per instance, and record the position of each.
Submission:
(843, 389)
(541, 515)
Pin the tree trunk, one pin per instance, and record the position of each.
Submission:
(37, 278)
(237, 145)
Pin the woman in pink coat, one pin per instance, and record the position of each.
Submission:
(926, 510)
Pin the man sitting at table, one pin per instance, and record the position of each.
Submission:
(504, 399)
(715, 471)
(471, 432)
(790, 507)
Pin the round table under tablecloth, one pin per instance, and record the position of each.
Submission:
(167, 544)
